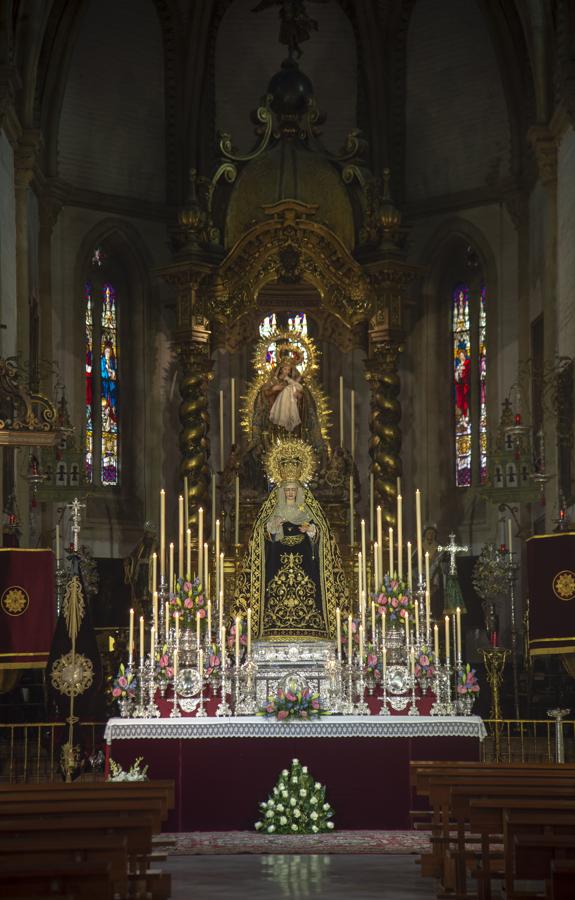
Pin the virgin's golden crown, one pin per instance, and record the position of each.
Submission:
(291, 459)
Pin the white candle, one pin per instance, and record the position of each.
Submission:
(363, 556)
(361, 644)
(409, 568)
(352, 443)
(349, 639)
(384, 661)
(509, 536)
(390, 538)
(447, 653)
(376, 575)
(206, 572)
(167, 621)
(238, 631)
(399, 536)
(338, 631)
(233, 406)
(171, 569)
(416, 618)
(371, 503)
(222, 440)
(427, 611)
(427, 578)
(222, 583)
(177, 620)
(458, 621)
(162, 533)
(209, 619)
(198, 630)
(341, 410)
(237, 511)
(351, 512)
(223, 646)
(131, 639)
(155, 609)
(436, 643)
(379, 519)
(189, 554)
(154, 572)
(141, 639)
(406, 622)
(200, 544)
(249, 630)
(57, 544)
(373, 621)
(383, 624)
(176, 655)
(201, 663)
(186, 504)
(418, 533)
(152, 642)
(221, 612)
(359, 579)
(217, 552)
(181, 570)
(214, 489)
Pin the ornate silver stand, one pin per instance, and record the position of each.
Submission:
(152, 711)
(223, 706)
(247, 704)
(361, 708)
(140, 709)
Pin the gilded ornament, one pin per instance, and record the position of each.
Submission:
(564, 585)
(291, 459)
(72, 674)
(73, 606)
(15, 601)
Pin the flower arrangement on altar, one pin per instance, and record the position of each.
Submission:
(395, 598)
(213, 661)
(467, 683)
(425, 663)
(125, 683)
(297, 805)
(189, 600)
(372, 663)
(294, 703)
(164, 665)
(231, 638)
(136, 772)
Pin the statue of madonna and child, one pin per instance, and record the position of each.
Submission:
(292, 575)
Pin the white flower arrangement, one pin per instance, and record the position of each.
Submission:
(136, 772)
(303, 808)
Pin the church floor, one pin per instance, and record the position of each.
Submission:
(271, 877)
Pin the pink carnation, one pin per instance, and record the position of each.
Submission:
(164, 660)
(371, 659)
(424, 660)
(394, 602)
(187, 587)
(200, 600)
(188, 602)
(123, 681)
(315, 704)
(117, 692)
(283, 714)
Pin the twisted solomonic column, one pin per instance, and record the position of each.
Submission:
(196, 371)
(385, 416)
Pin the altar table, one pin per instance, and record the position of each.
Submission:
(224, 767)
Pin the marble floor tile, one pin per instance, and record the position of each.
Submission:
(341, 877)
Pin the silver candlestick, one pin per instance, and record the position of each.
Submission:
(413, 710)
(223, 707)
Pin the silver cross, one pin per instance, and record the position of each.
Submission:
(76, 506)
(452, 548)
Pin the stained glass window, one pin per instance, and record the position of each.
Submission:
(89, 429)
(101, 447)
(462, 384)
(482, 385)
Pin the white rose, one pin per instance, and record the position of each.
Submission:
(304, 769)
(326, 806)
(294, 781)
(330, 825)
(285, 773)
(313, 801)
(285, 795)
(293, 801)
(294, 828)
(271, 828)
(313, 816)
(279, 807)
(317, 786)
(315, 829)
(270, 814)
(297, 813)
(303, 792)
(258, 825)
(283, 820)
(295, 762)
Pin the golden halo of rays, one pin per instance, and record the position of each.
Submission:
(291, 459)
(308, 369)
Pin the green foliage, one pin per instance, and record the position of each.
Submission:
(297, 805)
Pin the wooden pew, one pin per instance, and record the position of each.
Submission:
(531, 854)
(78, 881)
(560, 885)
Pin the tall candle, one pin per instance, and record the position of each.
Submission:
(131, 639)
(352, 441)
(222, 581)
(171, 569)
(181, 560)
(338, 631)
(379, 519)
(223, 646)
(237, 510)
(176, 660)
(351, 512)
(238, 632)
(198, 630)
(189, 554)
(341, 410)
(209, 619)
(427, 611)
(177, 620)
(418, 533)
(409, 567)
(221, 611)
(222, 436)
(155, 609)
(200, 544)
(371, 504)
(201, 664)
(57, 544)
(363, 609)
(152, 642)
(214, 491)
(390, 538)
(233, 410)
(458, 621)
(217, 552)
(384, 662)
(399, 536)
(447, 653)
(349, 639)
(162, 533)
(206, 571)
(249, 630)
(427, 578)
(154, 572)
(509, 537)
(167, 622)
(359, 579)
(141, 639)
(373, 621)
(186, 504)
(383, 624)
(363, 556)
(436, 643)
(376, 575)
(406, 622)
(361, 654)
(416, 619)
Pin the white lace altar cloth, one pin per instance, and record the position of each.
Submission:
(190, 728)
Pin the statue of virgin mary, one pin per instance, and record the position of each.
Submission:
(292, 575)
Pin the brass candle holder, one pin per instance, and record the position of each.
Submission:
(495, 659)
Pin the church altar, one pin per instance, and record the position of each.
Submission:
(223, 767)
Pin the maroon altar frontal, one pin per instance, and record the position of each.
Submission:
(224, 767)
